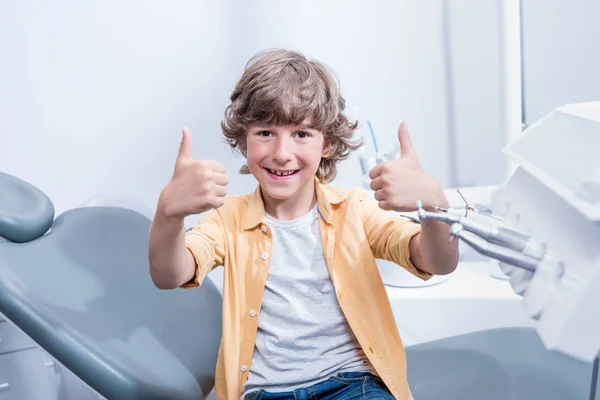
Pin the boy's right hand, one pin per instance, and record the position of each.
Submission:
(195, 187)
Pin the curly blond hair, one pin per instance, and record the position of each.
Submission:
(283, 87)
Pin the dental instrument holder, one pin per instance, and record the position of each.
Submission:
(552, 212)
(509, 247)
(485, 215)
(491, 240)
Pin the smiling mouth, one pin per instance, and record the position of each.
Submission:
(281, 173)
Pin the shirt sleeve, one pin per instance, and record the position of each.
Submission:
(389, 236)
(206, 242)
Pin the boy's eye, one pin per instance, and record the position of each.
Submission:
(302, 135)
(264, 133)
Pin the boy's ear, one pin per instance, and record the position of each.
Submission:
(326, 150)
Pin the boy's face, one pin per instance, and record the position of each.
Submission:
(283, 158)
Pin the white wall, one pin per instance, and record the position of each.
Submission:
(561, 54)
(476, 83)
(387, 55)
(94, 94)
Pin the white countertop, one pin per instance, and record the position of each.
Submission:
(471, 280)
(469, 300)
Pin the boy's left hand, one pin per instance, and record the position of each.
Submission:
(398, 184)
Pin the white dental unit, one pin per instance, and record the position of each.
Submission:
(545, 227)
(540, 230)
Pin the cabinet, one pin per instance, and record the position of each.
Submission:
(25, 371)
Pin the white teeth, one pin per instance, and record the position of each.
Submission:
(279, 173)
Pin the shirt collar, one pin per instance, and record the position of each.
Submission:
(326, 197)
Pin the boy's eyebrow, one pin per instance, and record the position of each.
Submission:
(270, 126)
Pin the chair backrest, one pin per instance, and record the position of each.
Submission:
(83, 292)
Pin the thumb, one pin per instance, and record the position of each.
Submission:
(406, 145)
(185, 148)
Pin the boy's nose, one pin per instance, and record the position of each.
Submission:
(281, 152)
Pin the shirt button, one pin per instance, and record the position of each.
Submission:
(264, 228)
(252, 313)
(244, 368)
(265, 256)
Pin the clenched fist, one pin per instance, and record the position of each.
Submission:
(398, 184)
(195, 187)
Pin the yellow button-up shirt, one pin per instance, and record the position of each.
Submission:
(354, 231)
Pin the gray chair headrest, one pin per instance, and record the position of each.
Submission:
(26, 213)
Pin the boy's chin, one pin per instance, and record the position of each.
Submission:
(279, 193)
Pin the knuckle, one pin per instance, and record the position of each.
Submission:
(205, 187)
(204, 175)
(216, 201)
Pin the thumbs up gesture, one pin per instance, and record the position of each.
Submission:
(398, 184)
(195, 187)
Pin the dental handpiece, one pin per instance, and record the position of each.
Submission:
(496, 251)
(485, 218)
(489, 232)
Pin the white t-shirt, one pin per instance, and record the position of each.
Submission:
(303, 337)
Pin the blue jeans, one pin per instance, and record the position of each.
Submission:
(344, 386)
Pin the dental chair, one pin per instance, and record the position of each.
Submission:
(78, 286)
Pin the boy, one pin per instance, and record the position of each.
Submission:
(305, 313)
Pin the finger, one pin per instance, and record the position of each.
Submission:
(185, 148)
(220, 179)
(377, 183)
(375, 171)
(216, 201)
(384, 206)
(406, 145)
(379, 195)
(220, 191)
(216, 166)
